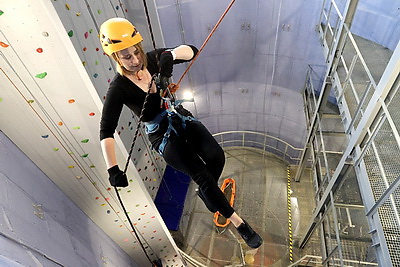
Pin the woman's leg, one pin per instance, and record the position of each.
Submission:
(181, 156)
(203, 160)
(206, 147)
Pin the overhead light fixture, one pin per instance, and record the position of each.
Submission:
(188, 96)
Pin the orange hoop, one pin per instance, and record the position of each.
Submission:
(217, 216)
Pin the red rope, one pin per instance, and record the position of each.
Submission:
(205, 42)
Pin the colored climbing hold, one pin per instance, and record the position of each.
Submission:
(41, 75)
(108, 211)
(71, 166)
(45, 136)
(71, 101)
(92, 114)
(99, 11)
(67, 6)
(39, 50)
(60, 123)
(78, 14)
(56, 149)
(92, 166)
(84, 63)
(76, 128)
(78, 177)
(95, 75)
(96, 62)
(1, 99)
(86, 35)
(71, 33)
(45, 34)
(30, 101)
(91, 30)
(85, 155)
(1, 12)
(4, 44)
(84, 49)
(85, 141)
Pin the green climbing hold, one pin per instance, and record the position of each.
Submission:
(85, 155)
(1, 99)
(56, 149)
(76, 128)
(71, 33)
(41, 75)
(1, 12)
(85, 141)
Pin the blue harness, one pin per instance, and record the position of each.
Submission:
(169, 112)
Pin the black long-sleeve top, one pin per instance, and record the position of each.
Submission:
(122, 91)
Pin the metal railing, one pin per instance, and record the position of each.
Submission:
(371, 118)
(261, 141)
(310, 260)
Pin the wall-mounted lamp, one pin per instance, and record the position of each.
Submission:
(188, 96)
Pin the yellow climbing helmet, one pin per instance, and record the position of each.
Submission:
(117, 34)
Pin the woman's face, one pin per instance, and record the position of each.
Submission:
(131, 59)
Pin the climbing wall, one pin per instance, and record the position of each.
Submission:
(53, 77)
(81, 20)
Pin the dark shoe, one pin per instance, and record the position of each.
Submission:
(252, 239)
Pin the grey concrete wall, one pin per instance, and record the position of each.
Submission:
(40, 225)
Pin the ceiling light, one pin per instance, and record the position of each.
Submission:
(188, 96)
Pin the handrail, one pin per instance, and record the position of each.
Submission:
(288, 153)
(191, 260)
(318, 260)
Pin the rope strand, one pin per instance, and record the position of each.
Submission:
(206, 41)
(158, 262)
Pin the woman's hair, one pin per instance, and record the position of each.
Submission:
(121, 69)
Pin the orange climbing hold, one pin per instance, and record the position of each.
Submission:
(228, 187)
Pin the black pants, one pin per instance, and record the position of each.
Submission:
(198, 155)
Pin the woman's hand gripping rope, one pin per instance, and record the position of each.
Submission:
(171, 89)
(166, 88)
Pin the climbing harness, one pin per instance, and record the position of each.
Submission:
(175, 120)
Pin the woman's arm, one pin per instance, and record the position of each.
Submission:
(108, 148)
(183, 52)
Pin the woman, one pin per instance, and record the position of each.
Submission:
(188, 147)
